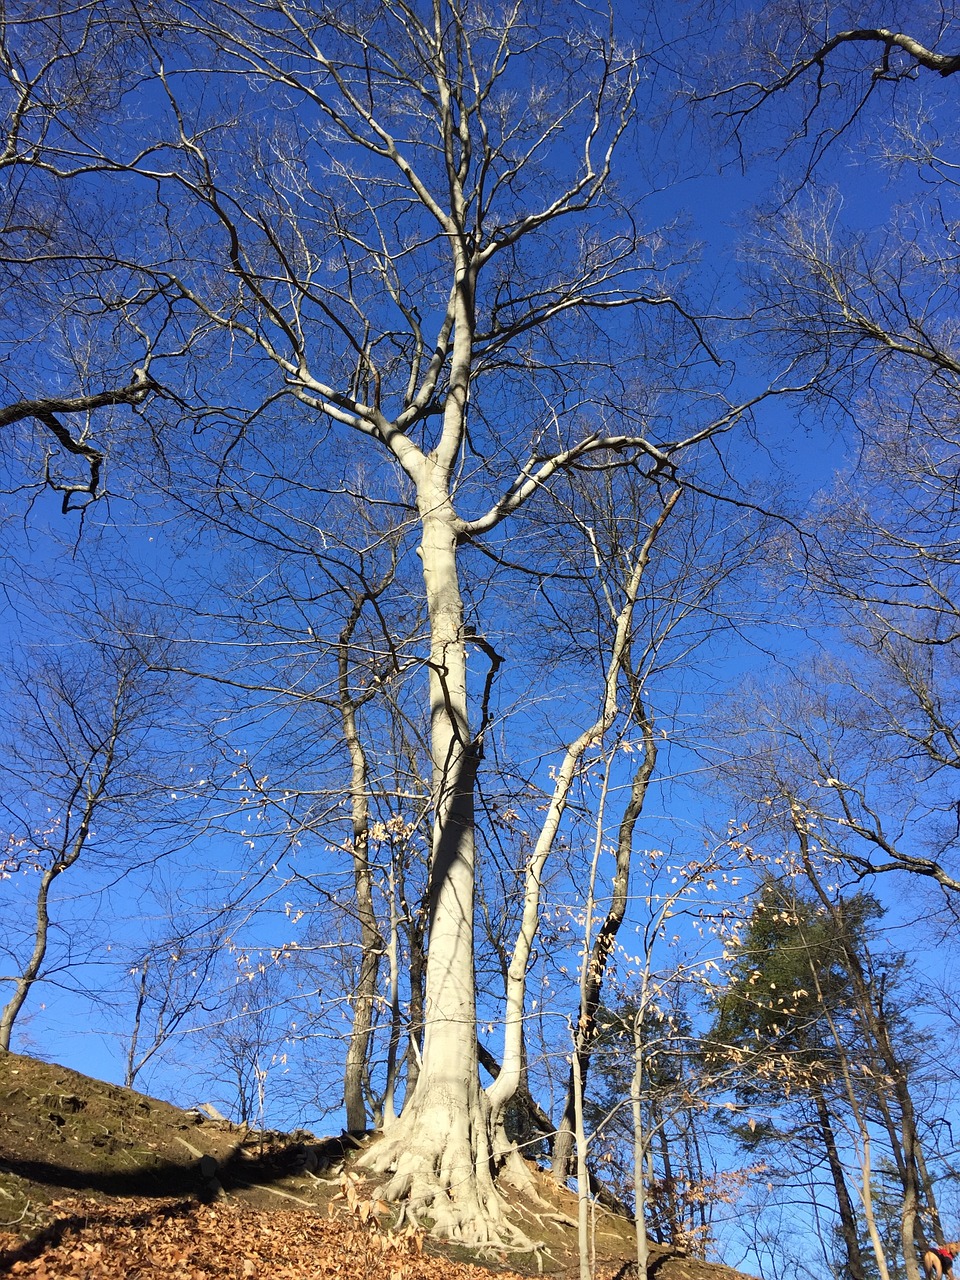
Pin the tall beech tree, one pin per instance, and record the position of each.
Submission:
(368, 280)
(381, 248)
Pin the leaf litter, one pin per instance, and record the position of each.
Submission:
(88, 1240)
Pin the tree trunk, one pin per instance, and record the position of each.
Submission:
(671, 1207)
(873, 1018)
(930, 1201)
(583, 1178)
(371, 942)
(848, 1217)
(417, 967)
(31, 970)
(698, 1210)
(439, 1151)
(388, 1112)
(511, 1075)
(640, 1148)
(602, 947)
(130, 1074)
(910, 1210)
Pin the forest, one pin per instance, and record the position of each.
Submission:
(480, 642)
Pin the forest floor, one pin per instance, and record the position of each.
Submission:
(98, 1182)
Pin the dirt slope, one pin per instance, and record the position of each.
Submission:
(100, 1182)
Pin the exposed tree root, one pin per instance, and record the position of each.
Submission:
(514, 1172)
(563, 1219)
(440, 1175)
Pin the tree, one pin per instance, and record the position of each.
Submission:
(788, 996)
(78, 761)
(822, 61)
(662, 601)
(670, 1084)
(878, 1022)
(817, 1030)
(868, 304)
(174, 978)
(417, 240)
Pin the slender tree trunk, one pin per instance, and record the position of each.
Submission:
(371, 942)
(930, 1200)
(389, 1113)
(417, 967)
(31, 970)
(583, 1176)
(671, 1206)
(509, 1080)
(910, 1212)
(867, 1200)
(866, 1169)
(603, 946)
(698, 1211)
(874, 1021)
(848, 1217)
(910, 1209)
(843, 1058)
(639, 1151)
(131, 1072)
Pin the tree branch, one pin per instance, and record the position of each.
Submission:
(46, 410)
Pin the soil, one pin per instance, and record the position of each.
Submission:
(97, 1181)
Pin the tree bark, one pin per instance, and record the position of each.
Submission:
(509, 1080)
(930, 1202)
(640, 1150)
(874, 1020)
(439, 1151)
(31, 970)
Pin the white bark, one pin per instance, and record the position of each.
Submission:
(389, 1113)
(447, 187)
(438, 1153)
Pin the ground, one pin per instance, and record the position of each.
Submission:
(98, 1182)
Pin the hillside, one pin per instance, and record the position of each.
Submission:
(97, 1182)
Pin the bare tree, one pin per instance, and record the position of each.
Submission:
(77, 756)
(871, 308)
(825, 779)
(176, 982)
(663, 601)
(400, 225)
